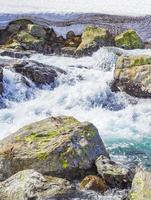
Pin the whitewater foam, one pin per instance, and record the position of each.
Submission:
(123, 122)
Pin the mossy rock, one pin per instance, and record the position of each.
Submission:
(58, 146)
(36, 30)
(133, 75)
(141, 186)
(128, 40)
(28, 39)
(93, 38)
(18, 25)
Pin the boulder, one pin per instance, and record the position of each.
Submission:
(59, 146)
(133, 75)
(114, 175)
(95, 183)
(28, 41)
(128, 40)
(31, 185)
(92, 39)
(36, 30)
(39, 73)
(141, 186)
(18, 25)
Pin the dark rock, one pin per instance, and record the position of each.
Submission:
(39, 73)
(1, 81)
(115, 176)
(70, 35)
(15, 54)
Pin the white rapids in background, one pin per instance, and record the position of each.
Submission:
(117, 7)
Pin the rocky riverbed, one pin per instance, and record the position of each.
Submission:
(75, 110)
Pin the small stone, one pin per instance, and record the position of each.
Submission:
(114, 175)
(95, 183)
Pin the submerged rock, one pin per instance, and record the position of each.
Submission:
(31, 185)
(128, 40)
(133, 75)
(39, 73)
(141, 186)
(92, 39)
(15, 54)
(93, 183)
(114, 175)
(59, 146)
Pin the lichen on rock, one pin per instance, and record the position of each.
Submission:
(56, 146)
(128, 40)
(132, 75)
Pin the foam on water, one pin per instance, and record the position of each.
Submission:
(123, 122)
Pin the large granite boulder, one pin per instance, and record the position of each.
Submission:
(133, 75)
(59, 146)
(92, 39)
(128, 40)
(39, 73)
(115, 175)
(31, 185)
(141, 186)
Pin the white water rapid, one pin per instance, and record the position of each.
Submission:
(123, 122)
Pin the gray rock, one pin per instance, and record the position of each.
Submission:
(114, 175)
(141, 186)
(39, 73)
(133, 75)
(58, 146)
(31, 185)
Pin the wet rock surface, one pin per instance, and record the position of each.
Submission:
(39, 73)
(132, 75)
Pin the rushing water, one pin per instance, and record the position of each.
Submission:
(123, 122)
